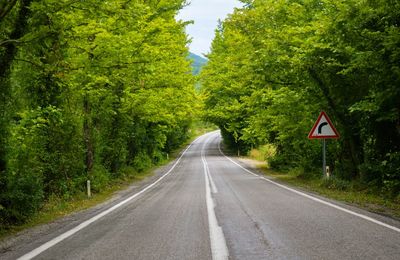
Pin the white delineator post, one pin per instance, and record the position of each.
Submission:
(89, 190)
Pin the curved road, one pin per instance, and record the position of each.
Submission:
(209, 206)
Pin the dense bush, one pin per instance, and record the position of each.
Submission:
(275, 65)
(88, 89)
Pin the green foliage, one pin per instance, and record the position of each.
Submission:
(93, 88)
(335, 184)
(99, 178)
(275, 64)
(23, 198)
(142, 161)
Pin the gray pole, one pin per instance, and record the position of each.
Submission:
(324, 157)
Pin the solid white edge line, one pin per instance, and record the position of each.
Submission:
(314, 198)
(86, 223)
(219, 249)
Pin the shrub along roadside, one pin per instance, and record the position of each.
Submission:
(87, 89)
(57, 207)
(274, 65)
(355, 192)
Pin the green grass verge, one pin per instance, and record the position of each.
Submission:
(57, 207)
(347, 192)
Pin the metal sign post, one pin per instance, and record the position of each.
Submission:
(324, 158)
(323, 129)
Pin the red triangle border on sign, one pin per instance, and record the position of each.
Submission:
(337, 135)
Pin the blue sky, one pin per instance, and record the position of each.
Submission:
(205, 14)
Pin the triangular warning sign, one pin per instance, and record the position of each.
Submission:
(323, 128)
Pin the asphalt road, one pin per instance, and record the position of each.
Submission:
(209, 206)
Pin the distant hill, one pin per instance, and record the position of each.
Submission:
(198, 62)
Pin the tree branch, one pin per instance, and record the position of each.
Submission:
(280, 83)
(9, 41)
(30, 62)
(8, 7)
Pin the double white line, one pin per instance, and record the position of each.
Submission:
(219, 249)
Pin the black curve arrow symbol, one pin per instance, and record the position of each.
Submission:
(320, 127)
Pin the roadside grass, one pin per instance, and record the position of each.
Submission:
(57, 207)
(333, 188)
(263, 153)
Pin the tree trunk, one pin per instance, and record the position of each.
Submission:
(87, 134)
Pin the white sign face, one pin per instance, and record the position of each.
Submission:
(323, 128)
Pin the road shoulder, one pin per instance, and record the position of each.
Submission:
(260, 168)
(15, 242)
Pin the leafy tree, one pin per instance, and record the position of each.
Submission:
(95, 87)
(275, 64)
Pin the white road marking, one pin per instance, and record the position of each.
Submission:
(212, 184)
(219, 248)
(213, 187)
(86, 223)
(314, 198)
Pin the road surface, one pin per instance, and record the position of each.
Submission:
(209, 206)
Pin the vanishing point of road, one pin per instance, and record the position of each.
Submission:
(206, 205)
